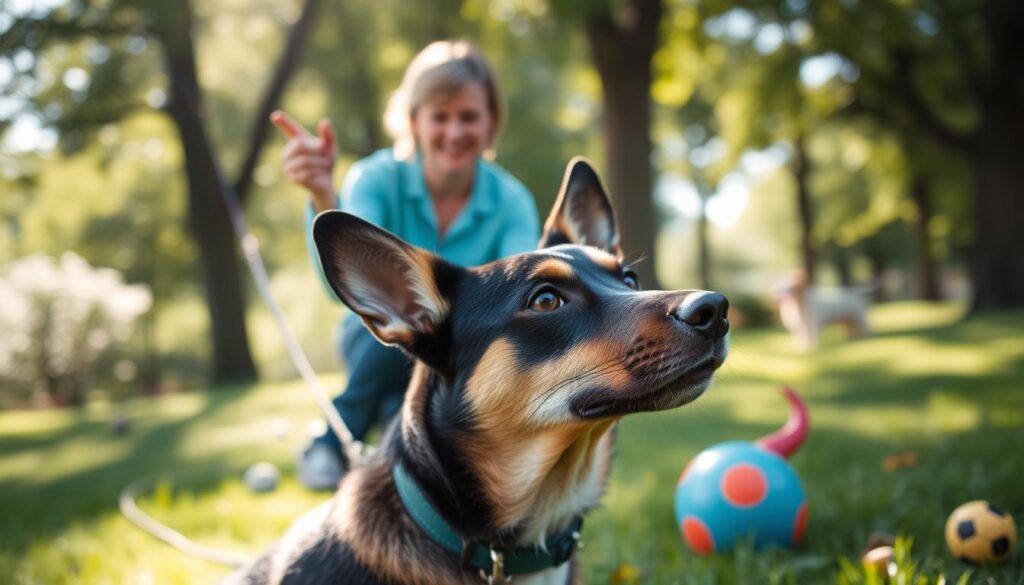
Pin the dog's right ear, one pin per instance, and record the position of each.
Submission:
(388, 283)
(582, 213)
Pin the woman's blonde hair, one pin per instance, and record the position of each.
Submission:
(438, 72)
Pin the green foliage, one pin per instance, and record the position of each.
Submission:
(752, 63)
(114, 190)
(727, 79)
(59, 317)
(902, 569)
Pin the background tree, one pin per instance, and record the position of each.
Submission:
(114, 92)
(698, 92)
(952, 67)
(763, 99)
(622, 45)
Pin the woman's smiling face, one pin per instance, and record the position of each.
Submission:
(453, 133)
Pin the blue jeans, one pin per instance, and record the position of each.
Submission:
(377, 378)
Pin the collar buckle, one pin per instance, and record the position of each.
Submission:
(497, 574)
(497, 568)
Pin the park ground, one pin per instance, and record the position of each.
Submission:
(949, 391)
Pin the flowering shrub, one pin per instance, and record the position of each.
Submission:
(57, 319)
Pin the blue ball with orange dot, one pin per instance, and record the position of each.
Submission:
(736, 491)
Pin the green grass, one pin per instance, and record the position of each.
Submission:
(951, 391)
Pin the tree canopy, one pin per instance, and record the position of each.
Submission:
(889, 127)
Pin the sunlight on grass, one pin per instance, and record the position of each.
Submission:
(86, 454)
(948, 391)
(913, 315)
(35, 423)
(912, 356)
(896, 422)
(229, 517)
(59, 483)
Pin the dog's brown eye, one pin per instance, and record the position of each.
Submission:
(545, 301)
(631, 280)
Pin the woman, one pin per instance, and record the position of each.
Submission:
(434, 189)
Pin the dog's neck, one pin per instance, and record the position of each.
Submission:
(517, 492)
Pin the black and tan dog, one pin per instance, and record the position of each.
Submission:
(523, 368)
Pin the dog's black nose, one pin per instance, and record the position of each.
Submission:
(704, 312)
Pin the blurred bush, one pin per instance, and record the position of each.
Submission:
(58, 317)
(747, 310)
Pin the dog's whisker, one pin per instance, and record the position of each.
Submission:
(639, 257)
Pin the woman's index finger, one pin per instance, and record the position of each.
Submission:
(287, 125)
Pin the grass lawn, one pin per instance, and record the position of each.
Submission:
(951, 392)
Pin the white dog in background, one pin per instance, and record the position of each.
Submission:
(806, 310)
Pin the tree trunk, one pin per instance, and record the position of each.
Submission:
(622, 55)
(927, 281)
(876, 255)
(841, 262)
(997, 260)
(362, 83)
(208, 217)
(801, 171)
(286, 65)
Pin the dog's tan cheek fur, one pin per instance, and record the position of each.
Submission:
(502, 395)
(504, 398)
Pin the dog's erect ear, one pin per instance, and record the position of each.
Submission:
(582, 213)
(388, 283)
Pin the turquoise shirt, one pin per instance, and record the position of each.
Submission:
(500, 218)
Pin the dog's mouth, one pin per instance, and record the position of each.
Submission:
(675, 388)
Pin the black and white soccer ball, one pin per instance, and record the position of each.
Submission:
(978, 532)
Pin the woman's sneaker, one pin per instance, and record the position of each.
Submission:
(320, 467)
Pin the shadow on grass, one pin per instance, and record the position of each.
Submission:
(978, 361)
(37, 510)
(856, 392)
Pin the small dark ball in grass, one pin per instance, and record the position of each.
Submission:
(262, 477)
(119, 425)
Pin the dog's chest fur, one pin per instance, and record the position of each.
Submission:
(364, 535)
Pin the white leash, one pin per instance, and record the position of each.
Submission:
(131, 511)
(355, 451)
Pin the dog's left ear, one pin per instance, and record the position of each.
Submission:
(390, 284)
(582, 213)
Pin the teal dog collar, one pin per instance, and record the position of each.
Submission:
(494, 562)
